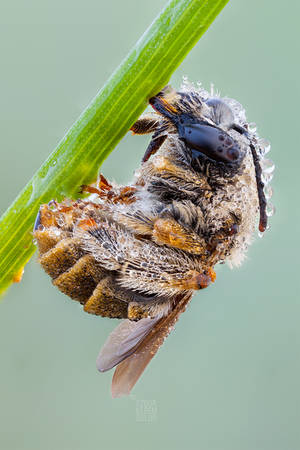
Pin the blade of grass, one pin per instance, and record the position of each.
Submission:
(77, 158)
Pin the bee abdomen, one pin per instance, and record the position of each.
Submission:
(103, 302)
(77, 274)
(47, 239)
(61, 257)
(80, 280)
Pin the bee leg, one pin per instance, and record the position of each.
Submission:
(166, 231)
(125, 196)
(103, 187)
(155, 143)
(153, 269)
(169, 232)
(195, 280)
(89, 189)
(147, 123)
(229, 229)
(170, 280)
(164, 168)
(138, 310)
(103, 184)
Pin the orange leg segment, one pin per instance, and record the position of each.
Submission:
(171, 233)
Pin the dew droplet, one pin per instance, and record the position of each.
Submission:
(268, 190)
(237, 108)
(184, 80)
(270, 209)
(252, 127)
(52, 205)
(267, 165)
(267, 177)
(264, 146)
(60, 222)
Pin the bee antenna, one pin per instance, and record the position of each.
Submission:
(263, 219)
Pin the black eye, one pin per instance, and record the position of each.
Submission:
(211, 141)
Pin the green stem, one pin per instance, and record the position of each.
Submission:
(77, 158)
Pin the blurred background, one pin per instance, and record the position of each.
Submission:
(227, 378)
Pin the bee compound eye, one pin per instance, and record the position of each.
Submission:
(210, 141)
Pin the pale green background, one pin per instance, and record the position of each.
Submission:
(228, 376)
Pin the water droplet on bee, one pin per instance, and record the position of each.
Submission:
(268, 190)
(60, 222)
(266, 177)
(260, 234)
(267, 166)
(252, 127)
(270, 209)
(52, 206)
(264, 146)
(185, 80)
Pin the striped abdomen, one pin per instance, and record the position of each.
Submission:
(72, 270)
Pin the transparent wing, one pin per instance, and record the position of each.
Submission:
(122, 342)
(132, 345)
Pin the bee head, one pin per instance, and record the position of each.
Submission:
(203, 127)
(208, 129)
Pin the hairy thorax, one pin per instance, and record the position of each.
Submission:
(205, 202)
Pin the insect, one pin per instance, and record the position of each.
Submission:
(138, 252)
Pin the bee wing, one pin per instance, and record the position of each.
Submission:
(132, 346)
(122, 341)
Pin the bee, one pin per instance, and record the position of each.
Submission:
(139, 252)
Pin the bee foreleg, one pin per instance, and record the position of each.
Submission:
(147, 123)
(167, 231)
(154, 145)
